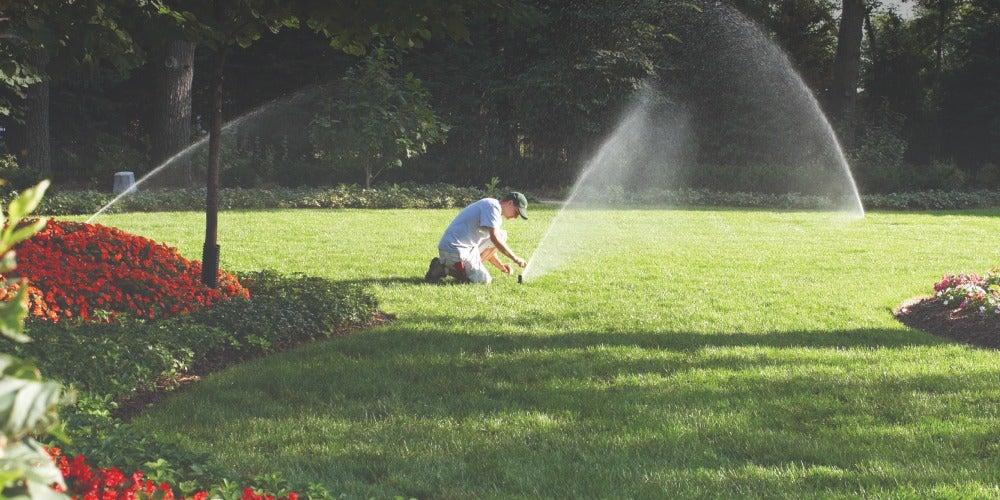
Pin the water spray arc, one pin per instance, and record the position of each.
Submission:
(300, 99)
(660, 134)
(554, 247)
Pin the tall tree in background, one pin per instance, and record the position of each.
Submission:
(171, 127)
(970, 93)
(936, 21)
(56, 38)
(806, 30)
(37, 148)
(847, 68)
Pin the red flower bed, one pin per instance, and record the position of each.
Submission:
(89, 483)
(89, 271)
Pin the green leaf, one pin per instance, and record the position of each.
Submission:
(12, 314)
(27, 201)
(28, 460)
(27, 405)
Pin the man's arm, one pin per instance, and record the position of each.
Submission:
(500, 265)
(504, 249)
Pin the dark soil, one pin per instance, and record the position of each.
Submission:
(137, 403)
(930, 315)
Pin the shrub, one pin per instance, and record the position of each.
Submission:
(941, 175)
(93, 272)
(115, 358)
(109, 362)
(410, 196)
(288, 309)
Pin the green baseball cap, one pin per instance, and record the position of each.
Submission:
(520, 201)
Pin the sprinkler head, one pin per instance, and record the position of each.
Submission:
(520, 279)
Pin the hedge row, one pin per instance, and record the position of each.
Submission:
(89, 202)
(447, 196)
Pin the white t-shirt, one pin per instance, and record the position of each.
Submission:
(466, 231)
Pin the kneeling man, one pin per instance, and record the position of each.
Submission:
(474, 237)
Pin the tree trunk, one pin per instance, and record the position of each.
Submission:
(172, 113)
(37, 145)
(210, 252)
(847, 68)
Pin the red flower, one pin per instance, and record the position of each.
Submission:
(86, 482)
(77, 269)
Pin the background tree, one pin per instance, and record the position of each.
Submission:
(847, 68)
(528, 100)
(534, 94)
(379, 121)
(171, 130)
(62, 40)
(806, 30)
(970, 93)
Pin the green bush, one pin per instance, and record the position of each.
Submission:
(407, 196)
(107, 363)
(287, 308)
(116, 358)
(941, 175)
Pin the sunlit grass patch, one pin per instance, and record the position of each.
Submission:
(678, 353)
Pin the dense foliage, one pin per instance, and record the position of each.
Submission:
(126, 354)
(533, 95)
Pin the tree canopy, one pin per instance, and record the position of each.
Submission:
(528, 88)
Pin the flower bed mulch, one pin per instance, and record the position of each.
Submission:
(930, 315)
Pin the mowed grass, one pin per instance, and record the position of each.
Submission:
(678, 353)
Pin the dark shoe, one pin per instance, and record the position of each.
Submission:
(436, 271)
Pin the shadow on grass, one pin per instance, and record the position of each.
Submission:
(431, 414)
(439, 406)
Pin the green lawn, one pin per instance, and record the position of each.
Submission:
(678, 353)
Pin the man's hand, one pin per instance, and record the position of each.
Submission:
(521, 262)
